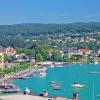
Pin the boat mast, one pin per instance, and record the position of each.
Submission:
(93, 91)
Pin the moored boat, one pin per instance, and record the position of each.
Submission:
(42, 74)
(56, 87)
(9, 88)
(13, 90)
(53, 82)
(77, 85)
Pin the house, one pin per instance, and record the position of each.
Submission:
(73, 53)
(21, 58)
(84, 51)
(1, 60)
(9, 51)
(98, 41)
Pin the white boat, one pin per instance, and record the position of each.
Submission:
(42, 74)
(42, 69)
(56, 87)
(77, 85)
(53, 82)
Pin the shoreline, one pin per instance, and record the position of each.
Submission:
(30, 70)
(24, 72)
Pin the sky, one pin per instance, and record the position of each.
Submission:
(49, 11)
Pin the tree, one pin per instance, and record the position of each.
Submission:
(7, 58)
(20, 50)
(65, 58)
(39, 58)
(30, 52)
(43, 50)
(57, 56)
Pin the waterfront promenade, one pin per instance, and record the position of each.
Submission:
(29, 97)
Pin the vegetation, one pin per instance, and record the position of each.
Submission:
(22, 35)
(37, 29)
(16, 68)
(57, 56)
(7, 58)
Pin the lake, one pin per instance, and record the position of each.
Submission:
(66, 75)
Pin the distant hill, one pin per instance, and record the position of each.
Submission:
(37, 28)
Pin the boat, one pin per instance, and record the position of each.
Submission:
(56, 87)
(41, 69)
(77, 85)
(13, 90)
(42, 74)
(23, 77)
(6, 86)
(9, 88)
(53, 82)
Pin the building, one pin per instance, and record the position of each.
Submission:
(9, 51)
(84, 51)
(21, 58)
(1, 60)
(73, 53)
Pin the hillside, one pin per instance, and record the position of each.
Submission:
(36, 29)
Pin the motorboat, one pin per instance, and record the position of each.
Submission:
(23, 77)
(54, 82)
(41, 69)
(6, 86)
(42, 74)
(56, 87)
(13, 90)
(9, 88)
(77, 85)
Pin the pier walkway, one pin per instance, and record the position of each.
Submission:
(29, 97)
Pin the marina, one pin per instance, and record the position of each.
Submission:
(58, 82)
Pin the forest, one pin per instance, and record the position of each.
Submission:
(29, 29)
(23, 35)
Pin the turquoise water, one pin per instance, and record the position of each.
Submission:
(66, 76)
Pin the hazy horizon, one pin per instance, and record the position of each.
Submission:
(48, 11)
(50, 23)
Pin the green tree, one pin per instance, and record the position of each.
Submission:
(7, 58)
(39, 58)
(30, 52)
(20, 50)
(57, 56)
(43, 50)
(65, 58)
